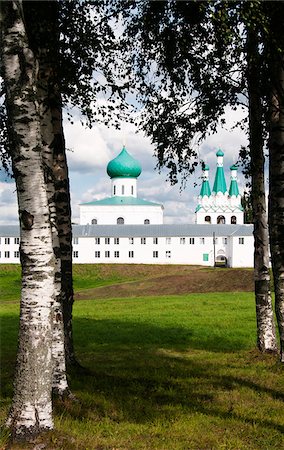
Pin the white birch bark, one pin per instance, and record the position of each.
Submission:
(31, 409)
(276, 187)
(266, 334)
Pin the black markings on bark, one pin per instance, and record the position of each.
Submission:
(27, 220)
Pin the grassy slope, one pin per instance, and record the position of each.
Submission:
(168, 372)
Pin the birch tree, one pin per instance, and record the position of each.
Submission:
(275, 58)
(31, 411)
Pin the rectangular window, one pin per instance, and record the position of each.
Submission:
(168, 241)
(155, 254)
(97, 254)
(131, 240)
(225, 241)
(143, 240)
(168, 254)
(107, 254)
(16, 240)
(202, 241)
(97, 241)
(16, 254)
(75, 254)
(155, 240)
(7, 241)
(131, 254)
(107, 241)
(182, 240)
(7, 254)
(191, 241)
(116, 254)
(205, 257)
(75, 240)
(0, 254)
(241, 240)
(116, 241)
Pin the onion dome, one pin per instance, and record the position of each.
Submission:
(124, 166)
(219, 153)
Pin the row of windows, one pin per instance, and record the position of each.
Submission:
(115, 191)
(221, 220)
(8, 240)
(98, 254)
(155, 241)
(119, 221)
(7, 254)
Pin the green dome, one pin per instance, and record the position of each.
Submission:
(123, 166)
(233, 167)
(219, 153)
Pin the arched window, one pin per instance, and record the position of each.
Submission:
(132, 190)
(146, 222)
(233, 220)
(221, 220)
(207, 219)
(122, 190)
(114, 190)
(120, 221)
(94, 221)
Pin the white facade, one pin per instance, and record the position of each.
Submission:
(151, 244)
(118, 214)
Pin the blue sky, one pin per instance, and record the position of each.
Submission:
(91, 150)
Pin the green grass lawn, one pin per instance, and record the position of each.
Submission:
(171, 373)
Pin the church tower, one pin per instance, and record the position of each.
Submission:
(220, 206)
(123, 206)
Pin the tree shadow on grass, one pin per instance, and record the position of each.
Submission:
(138, 372)
(141, 372)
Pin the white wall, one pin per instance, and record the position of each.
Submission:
(132, 214)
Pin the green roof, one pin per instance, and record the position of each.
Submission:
(116, 200)
(219, 153)
(205, 189)
(124, 166)
(234, 189)
(220, 182)
(233, 167)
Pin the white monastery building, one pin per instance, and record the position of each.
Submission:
(124, 228)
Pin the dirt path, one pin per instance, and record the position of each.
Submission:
(174, 281)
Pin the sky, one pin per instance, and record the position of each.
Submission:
(90, 150)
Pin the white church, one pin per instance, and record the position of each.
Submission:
(125, 229)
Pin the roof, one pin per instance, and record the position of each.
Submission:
(220, 153)
(234, 189)
(205, 189)
(124, 166)
(162, 230)
(220, 182)
(119, 201)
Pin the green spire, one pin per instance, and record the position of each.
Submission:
(234, 189)
(205, 188)
(220, 182)
(124, 166)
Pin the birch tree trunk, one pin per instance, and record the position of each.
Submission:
(276, 171)
(44, 34)
(31, 410)
(266, 335)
